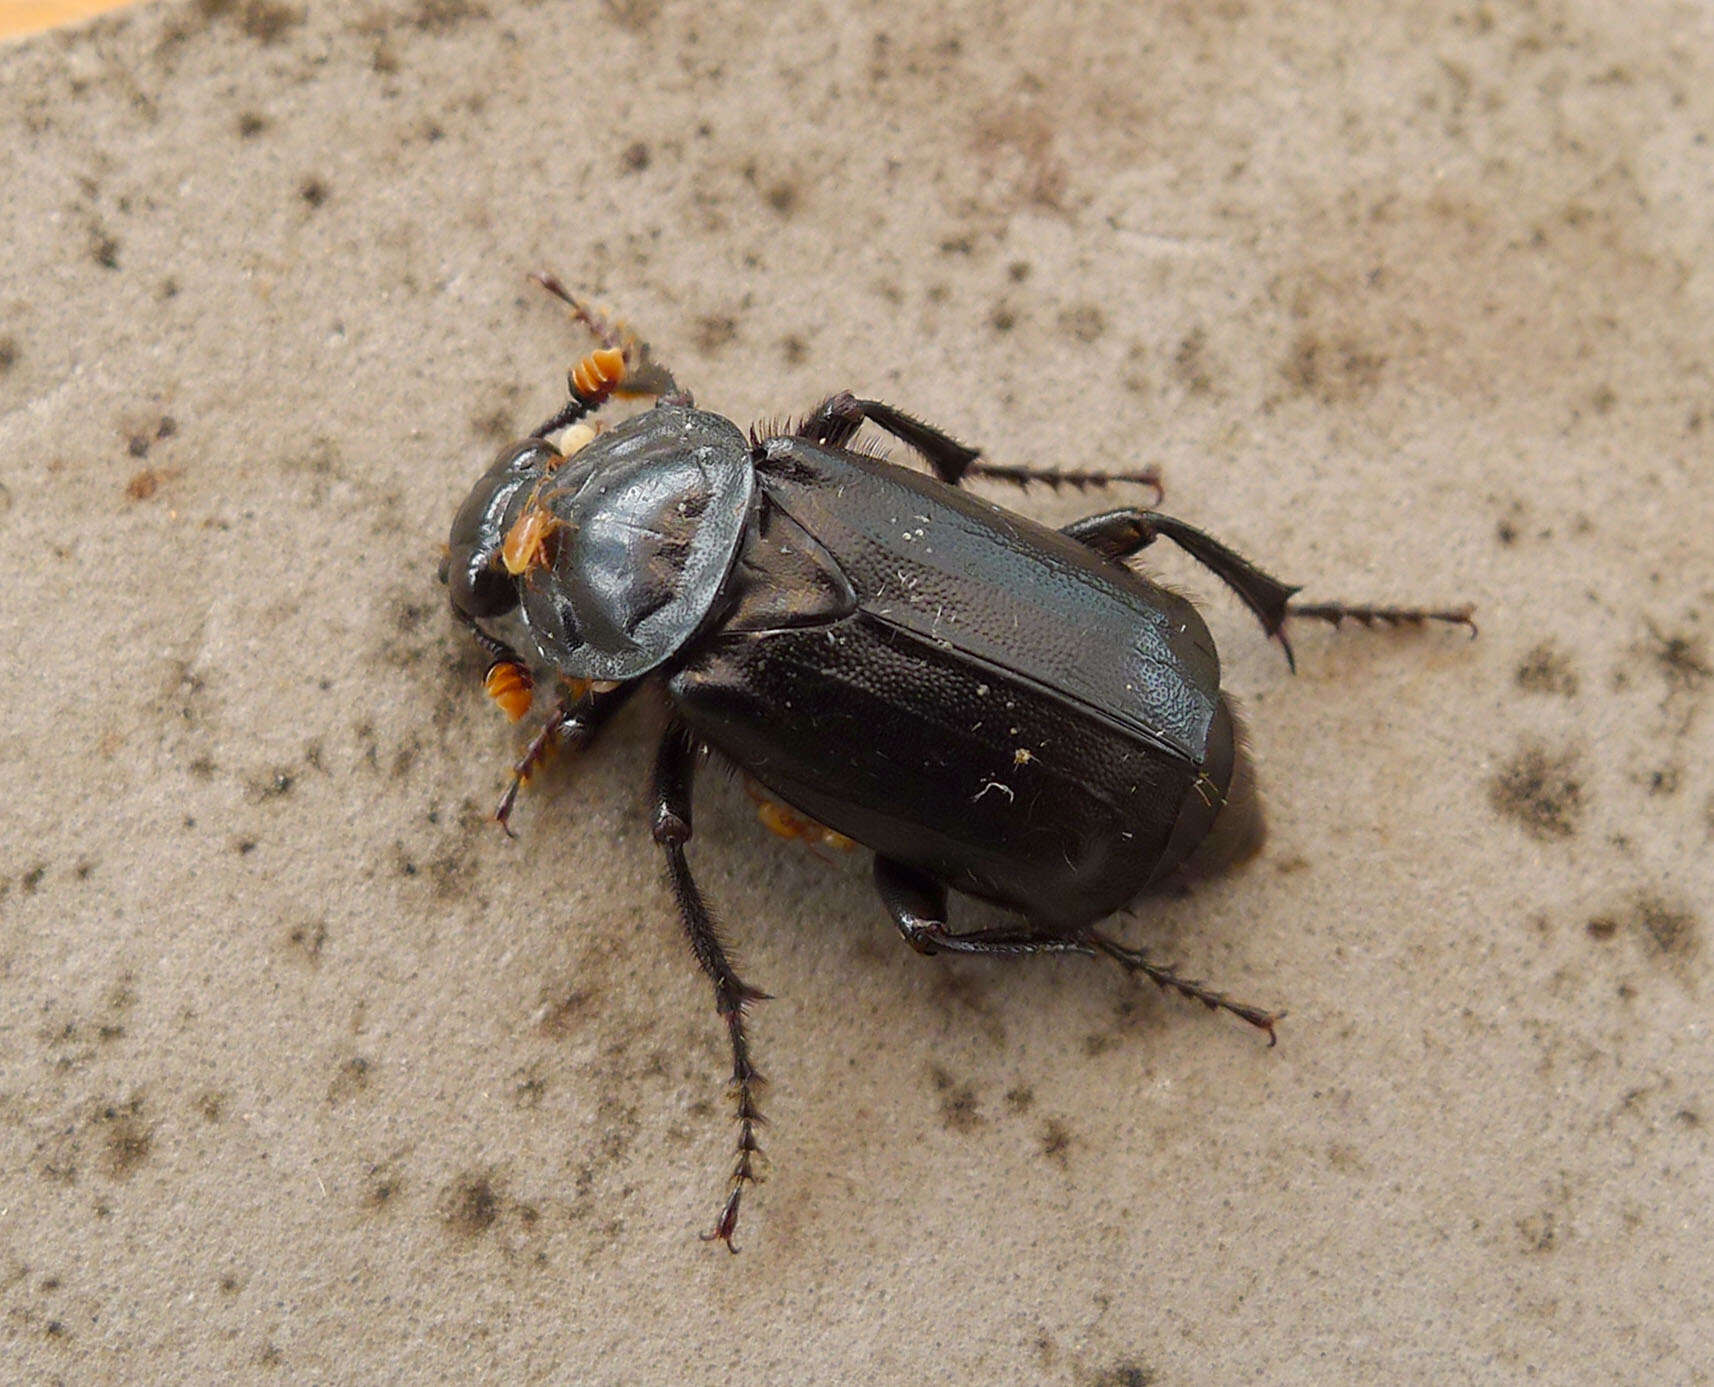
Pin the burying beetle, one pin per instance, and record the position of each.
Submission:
(991, 706)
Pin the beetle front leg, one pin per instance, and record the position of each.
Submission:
(572, 726)
(675, 770)
(837, 419)
(1121, 533)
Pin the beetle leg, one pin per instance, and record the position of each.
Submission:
(917, 903)
(1335, 613)
(1135, 961)
(1120, 533)
(675, 770)
(573, 725)
(837, 419)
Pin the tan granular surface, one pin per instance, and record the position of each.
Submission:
(308, 1074)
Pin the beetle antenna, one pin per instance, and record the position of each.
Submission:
(643, 375)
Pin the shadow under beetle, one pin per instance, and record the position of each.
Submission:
(990, 706)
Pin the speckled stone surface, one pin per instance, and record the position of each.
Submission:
(308, 1074)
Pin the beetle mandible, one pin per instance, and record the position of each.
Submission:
(990, 706)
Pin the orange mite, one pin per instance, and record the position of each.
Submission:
(528, 543)
(788, 823)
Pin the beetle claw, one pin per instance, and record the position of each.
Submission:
(727, 1224)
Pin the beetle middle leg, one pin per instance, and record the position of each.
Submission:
(675, 769)
(1121, 533)
(917, 903)
(836, 420)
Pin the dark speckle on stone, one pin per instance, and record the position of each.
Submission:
(1055, 1141)
(128, 1141)
(712, 332)
(1124, 1375)
(262, 20)
(959, 1108)
(1547, 670)
(471, 1205)
(443, 16)
(1332, 371)
(1682, 659)
(1540, 792)
(1084, 322)
(1667, 930)
(350, 1079)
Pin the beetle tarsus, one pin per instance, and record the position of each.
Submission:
(1079, 480)
(727, 1224)
(1336, 614)
(835, 421)
(675, 770)
(1135, 961)
(541, 747)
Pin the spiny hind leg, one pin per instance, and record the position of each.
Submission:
(1121, 533)
(917, 903)
(836, 420)
(1136, 961)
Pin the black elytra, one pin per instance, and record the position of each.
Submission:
(988, 705)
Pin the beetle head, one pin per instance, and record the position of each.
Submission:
(474, 571)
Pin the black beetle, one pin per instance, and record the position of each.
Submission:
(990, 706)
